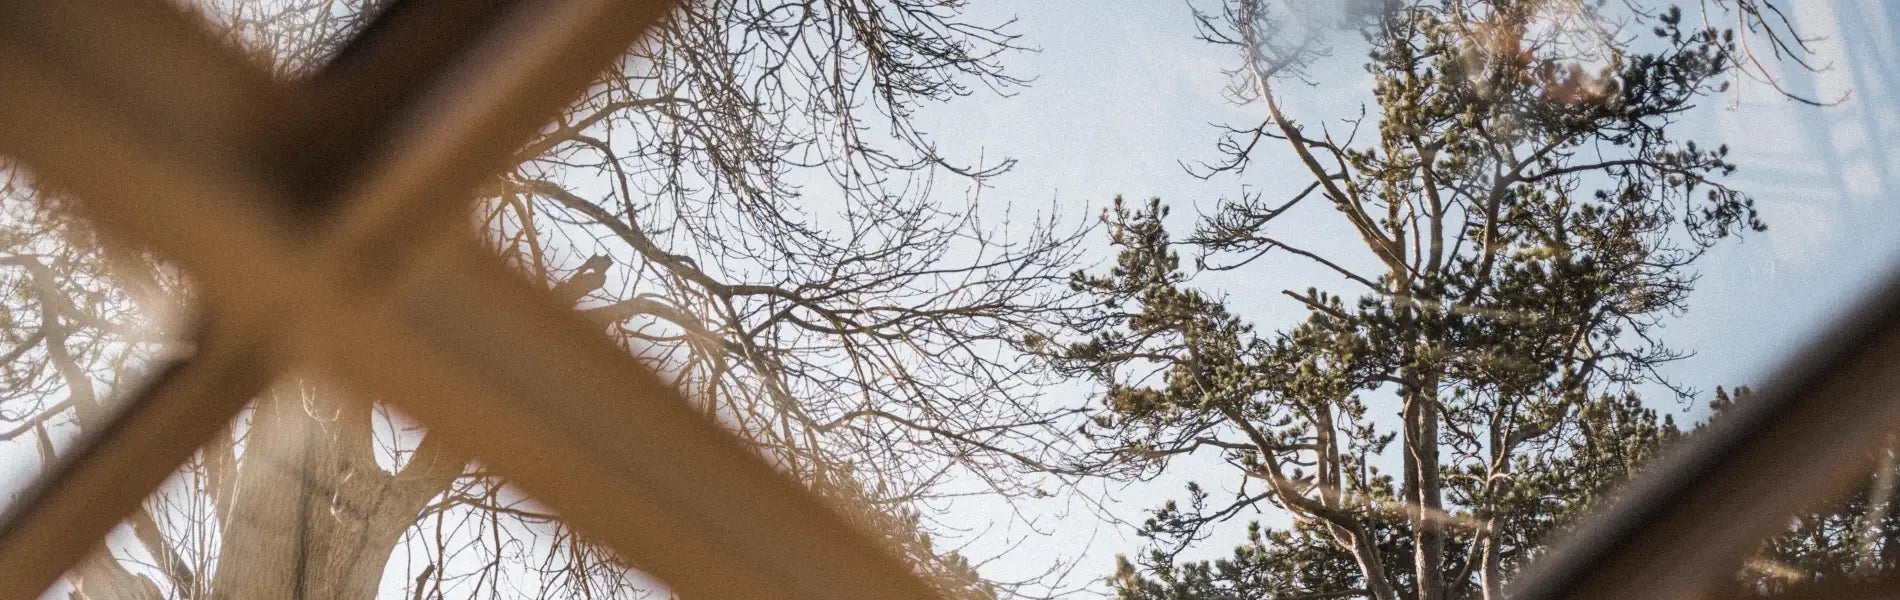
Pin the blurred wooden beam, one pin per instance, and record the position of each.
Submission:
(1684, 529)
(66, 515)
(478, 353)
(90, 86)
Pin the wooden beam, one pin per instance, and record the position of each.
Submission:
(66, 515)
(1684, 529)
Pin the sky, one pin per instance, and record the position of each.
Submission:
(1123, 95)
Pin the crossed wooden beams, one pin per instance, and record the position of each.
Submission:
(323, 222)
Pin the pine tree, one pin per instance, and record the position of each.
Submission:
(1526, 213)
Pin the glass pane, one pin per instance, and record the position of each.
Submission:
(1442, 275)
(80, 323)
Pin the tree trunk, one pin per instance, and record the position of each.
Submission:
(312, 516)
(1491, 572)
(101, 577)
(1365, 552)
(1425, 497)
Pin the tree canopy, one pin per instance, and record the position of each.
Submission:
(1482, 363)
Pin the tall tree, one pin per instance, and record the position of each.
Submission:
(745, 201)
(1522, 211)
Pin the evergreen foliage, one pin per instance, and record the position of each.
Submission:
(1526, 212)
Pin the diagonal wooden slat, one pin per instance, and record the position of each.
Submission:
(156, 62)
(52, 526)
(614, 449)
(1802, 440)
(487, 105)
(208, 115)
(371, 85)
(717, 523)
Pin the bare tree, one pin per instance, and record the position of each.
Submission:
(745, 201)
